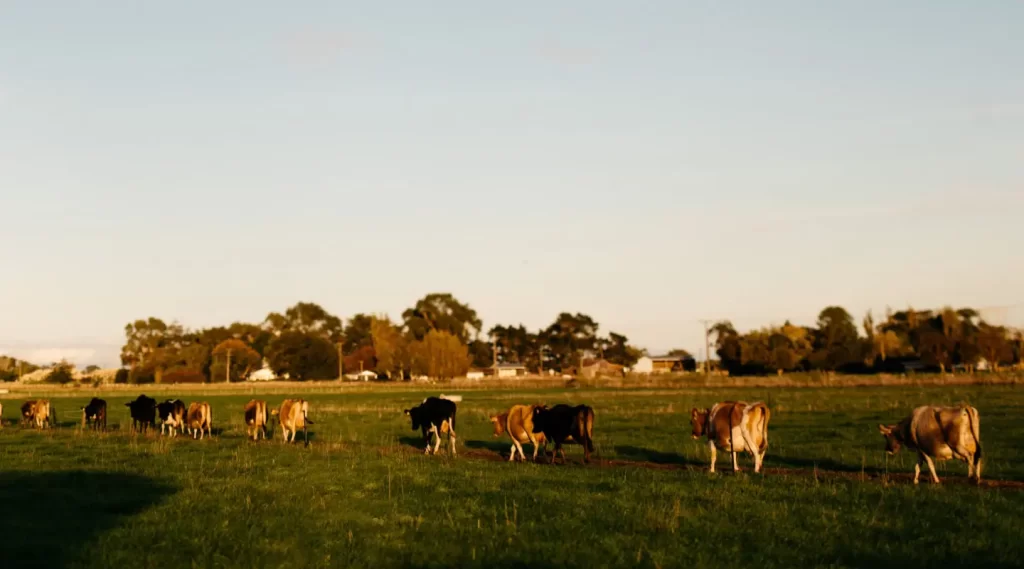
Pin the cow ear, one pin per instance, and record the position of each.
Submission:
(406, 411)
(884, 430)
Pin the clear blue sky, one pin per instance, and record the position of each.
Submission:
(648, 163)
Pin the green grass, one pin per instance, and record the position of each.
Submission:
(361, 496)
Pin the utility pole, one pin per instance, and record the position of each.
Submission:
(227, 369)
(707, 348)
(341, 362)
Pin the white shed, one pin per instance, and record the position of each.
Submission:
(644, 365)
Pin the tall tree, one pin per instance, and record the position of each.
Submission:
(358, 333)
(994, 345)
(440, 355)
(307, 318)
(569, 338)
(303, 356)
(391, 348)
(836, 342)
(443, 312)
(618, 351)
(150, 346)
(235, 360)
(727, 346)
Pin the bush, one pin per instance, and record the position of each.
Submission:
(61, 374)
(183, 375)
(121, 376)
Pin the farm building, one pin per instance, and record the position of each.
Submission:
(263, 374)
(509, 370)
(601, 367)
(476, 374)
(664, 364)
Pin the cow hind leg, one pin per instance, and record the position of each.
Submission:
(714, 455)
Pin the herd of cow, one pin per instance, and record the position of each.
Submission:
(175, 417)
(934, 432)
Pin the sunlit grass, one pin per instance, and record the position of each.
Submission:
(362, 494)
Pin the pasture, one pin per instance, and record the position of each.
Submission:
(363, 495)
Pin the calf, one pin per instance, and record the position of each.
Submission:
(172, 416)
(96, 414)
(434, 417)
(562, 423)
(294, 415)
(518, 423)
(938, 433)
(200, 418)
(735, 426)
(256, 419)
(143, 412)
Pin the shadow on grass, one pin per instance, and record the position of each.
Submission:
(500, 447)
(640, 454)
(49, 516)
(820, 463)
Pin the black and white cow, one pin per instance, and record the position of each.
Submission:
(172, 414)
(434, 416)
(96, 414)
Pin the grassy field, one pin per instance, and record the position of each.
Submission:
(362, 494)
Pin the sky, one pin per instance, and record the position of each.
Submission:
(650, 164)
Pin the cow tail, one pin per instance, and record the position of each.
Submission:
(972, 416)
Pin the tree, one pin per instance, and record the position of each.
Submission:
(91, 368)
(616, 349)
(362, 358)
(236, 360)
(994, 345)
(568, 339)
(440, 355)
(481, 353)
(391, 348)
(442, 312)
(680, 353)
(150, 346)
(303, 356)
(836, 341)
(727, 346)
(515, 344)
(61, 372)
(306, 318)
(358, 333)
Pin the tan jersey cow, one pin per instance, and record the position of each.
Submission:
(256, 419)
(294, 415)
(199, 419)
(938, 433)
(733, 426)
(518, 423)
(38, 413)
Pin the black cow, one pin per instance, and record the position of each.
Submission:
(562, 422)
(143, 412)
(172, 414)
(433, 417)
(96, 413)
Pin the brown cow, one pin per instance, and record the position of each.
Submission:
(256, 419)
(518, 423)
(200, 418)
(294, 415)
(938, 433)
(735, 426)
(562, 424)
(38, 413)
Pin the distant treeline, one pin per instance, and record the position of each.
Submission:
(439, 337)
(936, 340)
